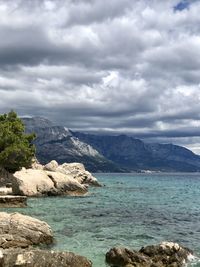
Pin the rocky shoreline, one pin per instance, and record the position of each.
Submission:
(21, 236)
(52, 179)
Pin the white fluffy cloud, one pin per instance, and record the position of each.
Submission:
(117, 66)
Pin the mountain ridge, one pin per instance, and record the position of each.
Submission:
(136, 154)
(58, 142)
(108, 153)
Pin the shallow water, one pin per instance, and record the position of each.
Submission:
(132, 210)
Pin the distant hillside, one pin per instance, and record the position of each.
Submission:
(104, 153)
(133, 154)
(57, 142)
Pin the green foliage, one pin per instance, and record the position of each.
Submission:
(16, 148)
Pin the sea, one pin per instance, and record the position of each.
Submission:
(131, 210)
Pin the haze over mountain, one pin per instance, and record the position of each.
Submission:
(107, 153)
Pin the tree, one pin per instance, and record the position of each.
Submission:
(16, 148)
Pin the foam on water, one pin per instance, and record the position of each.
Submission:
(132, 210)
(193, 260)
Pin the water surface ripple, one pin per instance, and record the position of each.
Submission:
(132, 210)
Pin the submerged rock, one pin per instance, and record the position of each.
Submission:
(41, 258)
(17, 230)
(166, 254)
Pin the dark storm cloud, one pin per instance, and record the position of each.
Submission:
(23, 46)
(110, 66)
(31, 46)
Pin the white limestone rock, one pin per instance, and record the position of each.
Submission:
(51, 166)
(66, 184)
(17, 230)
(31, 182)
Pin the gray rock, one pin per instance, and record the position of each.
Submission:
(124, 257)
(17, 230)
(41, 258)
(18, 235)
(166, 254)
(9, 201)
(78, 171)
(5, 177)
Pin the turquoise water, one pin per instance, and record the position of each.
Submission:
(131, 210)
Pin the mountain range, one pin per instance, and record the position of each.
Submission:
(107, 153)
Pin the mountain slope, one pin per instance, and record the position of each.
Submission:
(57, 142)
(107, 153)
(134, 154)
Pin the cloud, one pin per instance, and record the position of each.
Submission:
(118, 66)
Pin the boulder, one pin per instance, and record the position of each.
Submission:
(119, 257)
(41, 258)
(18, 235)
(87, 178)
(51, 166)
(32, 182)
(66, 185)
(29, 182)
(17, 230)
(77, 170)
(35, 181)
(9, 201)
(166, 254)
(5, 191)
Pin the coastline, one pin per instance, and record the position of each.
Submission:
(128, 211)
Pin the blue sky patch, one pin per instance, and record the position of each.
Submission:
(182, 5)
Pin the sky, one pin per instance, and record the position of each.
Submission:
(117, 66)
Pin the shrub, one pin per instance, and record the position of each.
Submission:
(16, 148)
